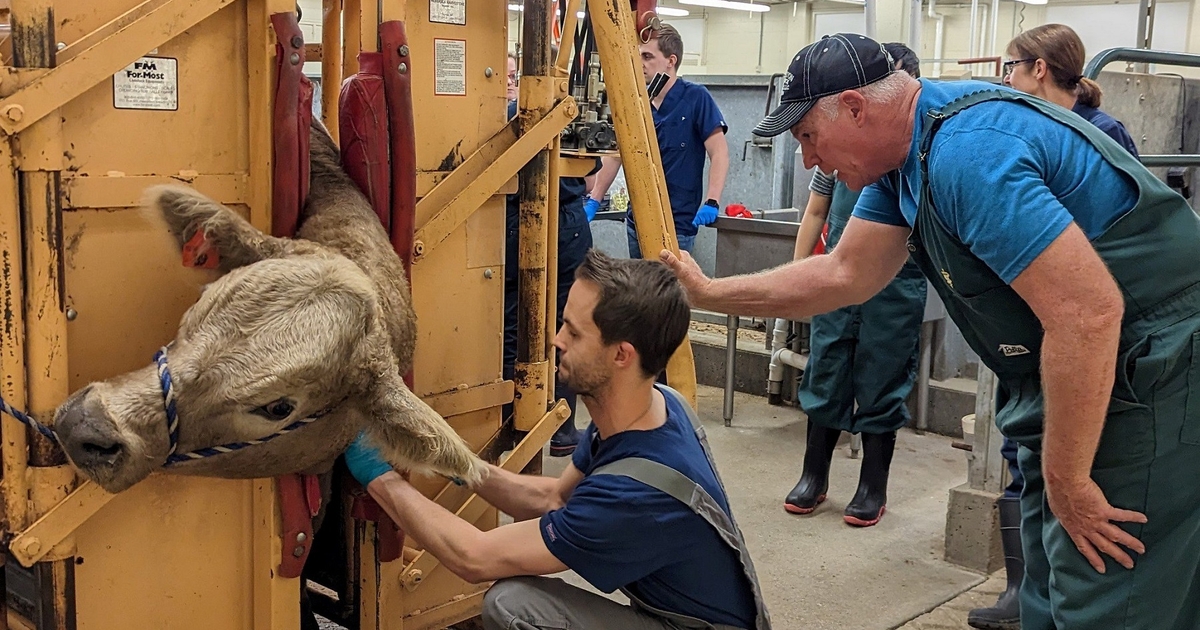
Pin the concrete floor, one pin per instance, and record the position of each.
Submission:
(816, 571)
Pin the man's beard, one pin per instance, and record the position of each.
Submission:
(586, 380)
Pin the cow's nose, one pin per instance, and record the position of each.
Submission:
(88, 437)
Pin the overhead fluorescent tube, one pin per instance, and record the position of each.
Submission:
(1033, 1)
(726, 4)
(670, 12)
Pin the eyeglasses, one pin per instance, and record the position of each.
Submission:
(1009, 65)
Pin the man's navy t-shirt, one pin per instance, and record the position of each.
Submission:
(687, 117)
(616, 532)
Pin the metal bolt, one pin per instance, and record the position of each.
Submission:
(487, 72)
(418, 249)
(31, 547)
(62, 45)
(297, 41)
(1141, 97)
(298, 551)
(295, 58)
(14, 113)
(403, 68)
(412, 578)
(72, 314)
(404, 50)
(487, 273)
(301, 537)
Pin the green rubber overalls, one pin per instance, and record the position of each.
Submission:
(1149, 454)
(865, 353)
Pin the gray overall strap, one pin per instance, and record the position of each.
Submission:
(674, 483)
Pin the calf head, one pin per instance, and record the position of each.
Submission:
(292, 330)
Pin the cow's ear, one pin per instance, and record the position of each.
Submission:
(209, 232)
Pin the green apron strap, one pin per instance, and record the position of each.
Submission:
(679, 486)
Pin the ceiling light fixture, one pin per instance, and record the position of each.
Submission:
(671, 12)
(727, 4)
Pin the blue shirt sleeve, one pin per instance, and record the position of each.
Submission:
(880, 203)
(707, 117)
(1117, 131)
(611, 531)
(996, 201)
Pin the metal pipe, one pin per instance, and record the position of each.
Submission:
(351, 36)
(923, 376)
(1138, 55)
(40, 167)
(535, 100)
(1145, 28)
(974, 28)
(994, 48)
(1142, 57)
(939, 36)
(552, 209)
(914, 25)
(331, 64)
(762, 24)
(985, 12)
(871, 15)
(731, 330)
(15, 448)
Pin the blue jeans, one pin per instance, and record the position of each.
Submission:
(686, 241)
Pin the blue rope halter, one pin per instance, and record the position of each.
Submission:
(169, 404)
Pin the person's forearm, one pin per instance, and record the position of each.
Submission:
(520, 496)
(718, 169)
(798, 289)
(811, 224)
(609, 166)
(1078, 365)
(453, 541)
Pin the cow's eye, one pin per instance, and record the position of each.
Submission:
(276, 409)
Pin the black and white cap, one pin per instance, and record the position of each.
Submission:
(832, 65)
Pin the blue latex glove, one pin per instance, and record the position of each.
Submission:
(705, 215)
(590, 208)
(364, 461)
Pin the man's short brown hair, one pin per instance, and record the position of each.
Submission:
(640, 302)
(670, 43)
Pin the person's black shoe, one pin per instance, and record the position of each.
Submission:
(870, 501)
(814, 481)
(1006, 614)
(565, 439)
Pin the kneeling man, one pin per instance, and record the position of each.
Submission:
(640, 508)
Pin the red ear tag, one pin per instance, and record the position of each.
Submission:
(199, 253)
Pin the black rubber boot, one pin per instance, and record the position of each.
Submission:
(870, 501)
(814, 481)
(1006, 614)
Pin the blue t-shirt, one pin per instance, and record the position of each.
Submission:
(1006, 180)
(1108, 125)
(687, 117)
(616, 532)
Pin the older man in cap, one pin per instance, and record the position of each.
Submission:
(1070, 269)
